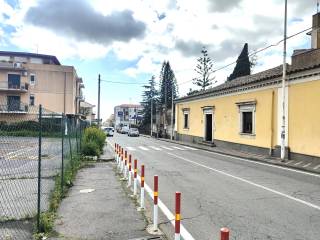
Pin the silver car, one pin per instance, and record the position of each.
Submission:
(133, 132)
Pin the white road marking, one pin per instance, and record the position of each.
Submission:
(298, 163)
(266, 164)
(190, 148)
(316, 167)
(289, 162)
(143, 148)
(131, 148)
(178, 148)
(184, 233)
(170, 149)
(307, 165)
(249, 182)
(155, 148)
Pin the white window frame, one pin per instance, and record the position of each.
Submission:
(247, 107)
(34, 82)
(186, 112)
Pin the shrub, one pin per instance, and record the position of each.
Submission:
(93, 141)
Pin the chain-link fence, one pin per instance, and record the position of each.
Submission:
(37, 150)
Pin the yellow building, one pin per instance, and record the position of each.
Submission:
(28, 79)
(245, 113)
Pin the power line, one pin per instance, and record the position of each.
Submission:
(116, 82)
(225, 66)
(255, 52)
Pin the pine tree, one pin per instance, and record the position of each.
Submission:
(168, 85)
(149, 93)
(243, 66)
(204, 70)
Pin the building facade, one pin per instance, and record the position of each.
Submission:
(28, 79)
(126, 114)
(245, 113)
(86, 110)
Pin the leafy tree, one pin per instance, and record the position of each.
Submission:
(243, 66)
(168, 85)
(149, 93)
(204, 70)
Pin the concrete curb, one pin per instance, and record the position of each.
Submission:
(237, 156)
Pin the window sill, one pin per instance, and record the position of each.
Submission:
(186, 129)
(250, 135)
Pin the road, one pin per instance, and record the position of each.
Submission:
(256, 201)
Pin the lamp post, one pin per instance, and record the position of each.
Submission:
(151, 123)
(171, 114)
(284, 68)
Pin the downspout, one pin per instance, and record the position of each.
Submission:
(272, 124)
(64, 92)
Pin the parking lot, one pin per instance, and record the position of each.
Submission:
(19, 180)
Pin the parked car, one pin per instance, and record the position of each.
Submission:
(109, 131)
(133, 132)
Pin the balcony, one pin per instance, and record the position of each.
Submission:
(14, 88)
(18, 107)
(12, 66)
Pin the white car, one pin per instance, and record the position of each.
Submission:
(133, 132)
(109, 131)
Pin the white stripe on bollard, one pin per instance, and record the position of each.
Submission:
(142, 198)
(177, 236)
(155, 217)
(129, 178)
(135, 187)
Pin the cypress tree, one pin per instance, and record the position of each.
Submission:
(243, 66)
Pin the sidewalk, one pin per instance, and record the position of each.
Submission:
(308, 166)
(98, 208)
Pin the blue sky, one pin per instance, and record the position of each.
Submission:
(126, 41)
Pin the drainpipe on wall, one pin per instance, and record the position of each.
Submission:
(64, 93)
(272, 124)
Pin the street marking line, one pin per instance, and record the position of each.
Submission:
(179, 148)
(307, 165)
(316, 167)
(131, 148)
(155, 148)
(171, 217)
(289, 162)
(298, 163)
(143, 148)
(190, 148)
(249, 182)
(170, 149)
(266, 164)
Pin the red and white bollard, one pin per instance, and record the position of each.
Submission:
(177, 235)
(142, 188)
(125, 165)
(155, 203)
(224, 233)
(135, 165)
(129, 173)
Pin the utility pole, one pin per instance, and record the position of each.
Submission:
(151, 123)
(171, 113)
(284, 68)
(99, 82)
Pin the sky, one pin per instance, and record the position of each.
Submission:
(127, 41)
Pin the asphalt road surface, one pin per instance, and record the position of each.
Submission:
(254, 200)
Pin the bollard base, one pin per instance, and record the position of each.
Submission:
(140, 209)
(150, 230)
(133, 196)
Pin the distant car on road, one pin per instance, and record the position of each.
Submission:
(109, 131)
(124, 130)
(133, 132)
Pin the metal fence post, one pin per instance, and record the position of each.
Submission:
(62, 152)
(39, 168)
(70, 146)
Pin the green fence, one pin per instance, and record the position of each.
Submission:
(38, 149)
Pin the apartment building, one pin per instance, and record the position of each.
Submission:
(29, 79)
(86, 109)
(126, 114)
